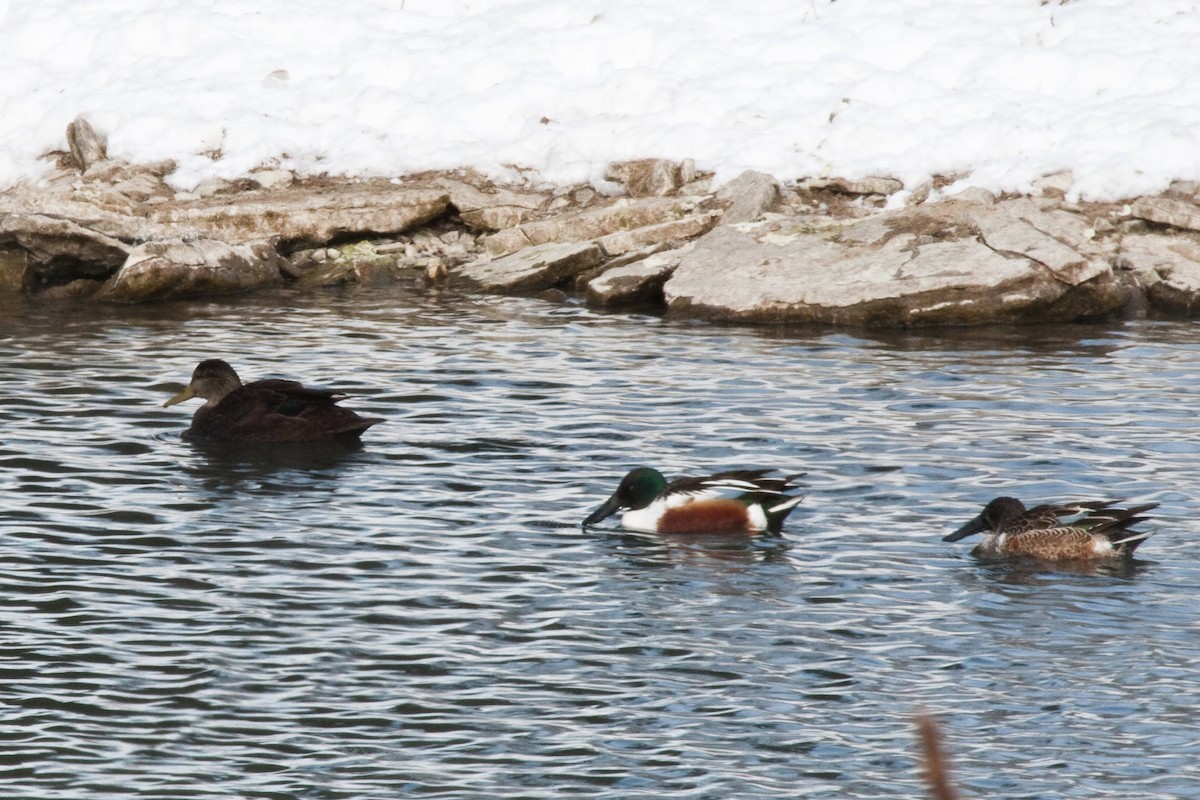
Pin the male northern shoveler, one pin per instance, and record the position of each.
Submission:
(269, 411)
(1078, 531)
(739, 501)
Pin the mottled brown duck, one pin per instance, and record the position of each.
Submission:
(1085, 531)
(265, 411)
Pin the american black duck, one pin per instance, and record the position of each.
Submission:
(265, 411)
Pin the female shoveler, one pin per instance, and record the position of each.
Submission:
(1078, 531)
(738, 501)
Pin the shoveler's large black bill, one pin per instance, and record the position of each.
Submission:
(603, 512)
(974, 526)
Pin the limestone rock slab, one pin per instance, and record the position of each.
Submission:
(1168, 211)
(62, 250)
(592, 223)
(534, 268)
(860, 186)
(271, 179)
(496, 218)
(1005, 231)
(178, 269)
(492, 209)
(636, 282)
(467, 197)
(770, 274)
(298, 214)
(86, 146)
(684, 228)
(750, 195)
(646, 177)
(1167, 268)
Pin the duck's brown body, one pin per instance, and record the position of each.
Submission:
(265, 411)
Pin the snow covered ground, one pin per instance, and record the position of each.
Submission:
(1005, 90)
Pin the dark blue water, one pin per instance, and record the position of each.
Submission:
(423, 617)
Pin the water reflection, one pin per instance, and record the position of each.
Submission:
(222, 459)
(667, 550)
(424, 614)
(1038, 572)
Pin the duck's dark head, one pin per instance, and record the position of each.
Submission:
(994, 515)
(211, 380)
(638, 489)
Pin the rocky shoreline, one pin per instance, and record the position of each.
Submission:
(863, 253)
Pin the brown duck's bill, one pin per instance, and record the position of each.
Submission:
(185, 394)
(603, 512)
(974, 526)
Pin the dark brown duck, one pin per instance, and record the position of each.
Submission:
(265, 411)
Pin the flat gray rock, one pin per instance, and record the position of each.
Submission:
(534, 268)
(646, 177)
(860, 186)
(86, 146)
(300, 214)
(1168, 211)
(636, 282)
(169, 270)
(62, 250)
(771, 272)
(467, 197)
(684, 228)
(749, 195)
(593, 223)
(1167, 268)
(1005, 232)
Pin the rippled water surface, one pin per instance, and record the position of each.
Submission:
(424, 617)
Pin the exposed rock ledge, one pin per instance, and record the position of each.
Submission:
(822, 251)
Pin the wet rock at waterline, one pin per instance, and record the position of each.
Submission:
(61, 250)
(47, 238)
(818, 249)
(14, 265)
(777, 271)
(1167, 268)
(168, 270)
(635, 282)
(362, 264)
